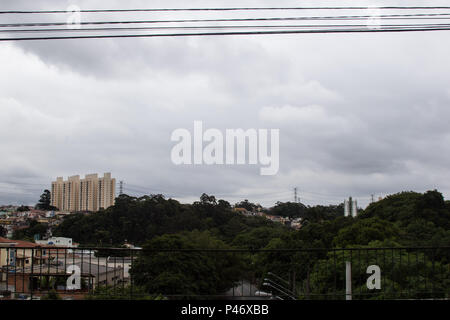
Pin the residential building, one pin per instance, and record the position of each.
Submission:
(25, 280)
(27, 266)
(19, 254)
(89, 194)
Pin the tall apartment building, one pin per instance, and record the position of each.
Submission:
(89, 194)
(350, 207)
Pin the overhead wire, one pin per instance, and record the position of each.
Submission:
(224, 29)
(212, 27)
(303, 18)
(226, 9)
(285, 32)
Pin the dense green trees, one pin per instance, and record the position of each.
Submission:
(23, 209)
(405, 274)
(423, 219)
(406, 219)
(3, 231)
(257, 238)
(34, 229)
(363, 231)
(247, 205)
(311, 214)
(289, 209)
(186, 272)
(121, 293)
(409, 218)
(137, 220)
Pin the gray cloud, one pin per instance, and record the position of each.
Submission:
(358, 114)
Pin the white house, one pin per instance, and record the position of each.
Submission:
(57, 241)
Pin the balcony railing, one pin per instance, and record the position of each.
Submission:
(281, 274)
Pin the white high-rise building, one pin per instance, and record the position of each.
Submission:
(350, 206)
(346, 208)
(354, 209)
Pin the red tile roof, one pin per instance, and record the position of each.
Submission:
(20, 243)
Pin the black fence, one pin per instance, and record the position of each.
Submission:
(282, 274)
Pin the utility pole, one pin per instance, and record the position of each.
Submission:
(371, 198)
(348, 280)
(295, 194)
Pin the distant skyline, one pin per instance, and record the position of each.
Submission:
(286, 196)
(358, 114)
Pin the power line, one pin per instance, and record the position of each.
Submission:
(224, 9)
(147, 190)
(267, 196)
(215, 27)
(345, 30)
(307, 18)
(256, 29)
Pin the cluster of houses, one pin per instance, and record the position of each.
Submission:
(14, 218)
(295, 223)
(57, 263)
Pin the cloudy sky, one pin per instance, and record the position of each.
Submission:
(358, 114)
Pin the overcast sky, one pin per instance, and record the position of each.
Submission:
(358, 114)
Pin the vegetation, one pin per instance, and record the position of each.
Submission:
(247, 205)
(138, 220)
(23, 209)
(406, 219)
(51, 295)
(34, 228)
(3, 231)
(187, 272)
(299, 210)
(121, 293)
(45, 201)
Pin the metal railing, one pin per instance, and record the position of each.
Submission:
(283, 274)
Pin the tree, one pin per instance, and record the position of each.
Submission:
(289, 209)
(34, 228)
(411, 279)
(51, 295)
(224, 204)
(3, 231)
(45, 201)
(180, 270)
(258, 238)
(23, 209)
(364, 231)
(206, 199)
(120, 293)
(247, 205)
(138, 220)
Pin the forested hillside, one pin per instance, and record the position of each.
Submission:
(406, 219)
